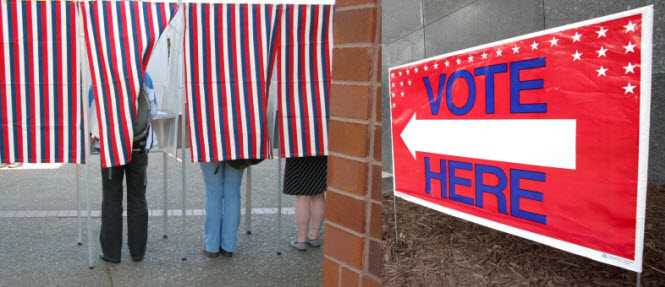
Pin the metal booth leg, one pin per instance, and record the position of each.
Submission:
(164, 158)
(279, 203)
(78, 203)
(87, 191)
(248, 202)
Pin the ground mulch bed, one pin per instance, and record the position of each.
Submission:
(440, 250)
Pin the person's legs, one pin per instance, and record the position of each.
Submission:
(137, 207)
(318, 213)
(213, 204)
(231, 210)
(303, 205)
(110, 236)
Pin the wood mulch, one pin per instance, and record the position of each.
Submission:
(436, 249)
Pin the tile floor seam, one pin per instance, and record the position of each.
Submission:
(108, 271)
(151, 212)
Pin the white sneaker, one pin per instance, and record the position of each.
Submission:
(15, 165)
(302, 246)
(314, 242)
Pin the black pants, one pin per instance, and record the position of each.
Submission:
(137, 207)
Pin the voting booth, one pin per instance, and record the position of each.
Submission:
(72, 71)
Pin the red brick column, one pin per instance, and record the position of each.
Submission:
(352, 249)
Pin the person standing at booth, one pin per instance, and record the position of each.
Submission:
(306, 177)
(135, 171)
(222, 206)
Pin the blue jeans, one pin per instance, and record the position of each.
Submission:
(222, 205)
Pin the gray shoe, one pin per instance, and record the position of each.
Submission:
(314, 242)
(302, 246)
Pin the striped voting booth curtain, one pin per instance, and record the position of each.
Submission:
(304, 58)
(41, 114)
(120, 37)
(227, 61)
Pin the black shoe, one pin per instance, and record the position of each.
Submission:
(114, 261)
(210, 254)
(137, 258)
(225, 253)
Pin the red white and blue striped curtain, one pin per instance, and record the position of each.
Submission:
(120, 36)
(41, 114)
(227, 66)
(304, 58)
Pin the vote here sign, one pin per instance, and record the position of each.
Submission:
(544, 136)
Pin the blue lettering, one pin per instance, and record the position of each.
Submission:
(471, 96)
(489, 72)
(434, 104)
(516, 86)
(454, 180)
(516, 193)
(496, 190)
(430, 175)
(449, 181)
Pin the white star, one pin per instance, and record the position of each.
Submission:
(415, 69)
(393, 85)
(576, 56)
(534, 46)
(400, 73)
(402, 94)
(554, 42)
(407, 71)
(425, 68)
(601, 71)
(601, 32)
(629, 47)
(630, 26)
(447, 63)
(629, 89)
(516, 49)
(576, 37)
(393, 105)
(484, 55)
(630, 68)
(392, 75)
(470, 59)
(401, 84)
(436, 65)
(458, 61)
(601, 52)
(498, 52)
(409, 82)
(393, 95)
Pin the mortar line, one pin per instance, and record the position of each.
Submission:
(422, 22)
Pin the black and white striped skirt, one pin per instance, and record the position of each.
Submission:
(306, 175)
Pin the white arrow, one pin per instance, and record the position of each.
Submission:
(548, 143)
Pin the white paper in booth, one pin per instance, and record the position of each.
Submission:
(272, 111)
(88, 97)
(165, 69)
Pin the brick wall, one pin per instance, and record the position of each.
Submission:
(352, 249)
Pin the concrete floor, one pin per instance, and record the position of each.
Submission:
(42, 249)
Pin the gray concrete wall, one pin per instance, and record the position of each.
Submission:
(418, 29)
